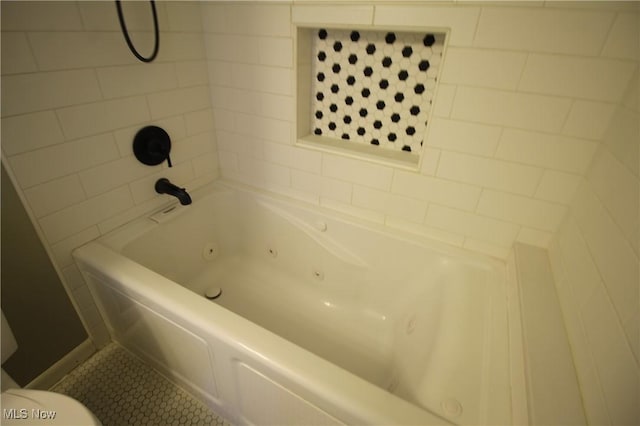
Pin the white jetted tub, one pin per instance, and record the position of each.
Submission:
(321, 319)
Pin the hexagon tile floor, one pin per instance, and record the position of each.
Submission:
(122, 390)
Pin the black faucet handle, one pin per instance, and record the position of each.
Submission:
(152, 145)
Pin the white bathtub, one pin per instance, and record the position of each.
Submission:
(322, 319)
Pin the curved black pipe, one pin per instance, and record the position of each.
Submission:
(125, 32)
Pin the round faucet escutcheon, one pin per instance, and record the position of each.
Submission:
(152, 146)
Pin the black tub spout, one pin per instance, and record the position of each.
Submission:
(163, 186)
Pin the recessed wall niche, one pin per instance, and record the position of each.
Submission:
(367, 93)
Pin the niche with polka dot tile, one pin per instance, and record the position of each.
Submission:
(373, 87)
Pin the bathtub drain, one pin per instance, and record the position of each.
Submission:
(213, 292)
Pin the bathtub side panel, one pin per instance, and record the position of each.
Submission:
(224, 365)
(177, 352)
(264, 401)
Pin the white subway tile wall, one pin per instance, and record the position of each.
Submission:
(73, 97)
(510, 123)
(534, 120)
(563, 31)
(594, 254)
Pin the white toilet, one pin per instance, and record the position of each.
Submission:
(28, 406)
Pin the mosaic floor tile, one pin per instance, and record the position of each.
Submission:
(122, 390)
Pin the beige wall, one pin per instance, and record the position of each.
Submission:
(41, 316)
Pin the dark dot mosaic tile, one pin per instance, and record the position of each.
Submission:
(122, 390)
(374, 87)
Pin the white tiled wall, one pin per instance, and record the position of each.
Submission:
(73, 97)
(526, 94)
(595, 258)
